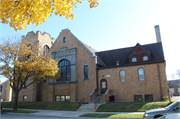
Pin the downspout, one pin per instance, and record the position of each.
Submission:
(159, 80)
(97, 86)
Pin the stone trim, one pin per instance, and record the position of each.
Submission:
(62, 82)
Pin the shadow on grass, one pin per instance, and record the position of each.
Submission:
(131, 106)
(65, 106)
(113, 115)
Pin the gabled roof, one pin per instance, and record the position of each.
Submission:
(111, 56)
(138, 45)
(91, 50)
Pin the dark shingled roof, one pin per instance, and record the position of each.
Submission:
(110, 57)
(174, 84)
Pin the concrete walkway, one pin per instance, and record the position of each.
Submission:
(54, 113)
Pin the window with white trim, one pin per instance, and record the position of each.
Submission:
(145, 58)
(122, 76)
(62, 98)
(141, 74)
(134, 59)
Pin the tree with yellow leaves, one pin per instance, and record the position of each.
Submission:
(19, 13)
(20, 62)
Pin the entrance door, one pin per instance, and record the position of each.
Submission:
(103, 86)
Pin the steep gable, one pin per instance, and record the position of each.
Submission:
(71, 40)
(139, 49)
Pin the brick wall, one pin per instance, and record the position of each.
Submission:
(82, 88)
(125, 91)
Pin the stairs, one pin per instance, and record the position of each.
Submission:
(87, 108)
(93, 106)
(99, 97)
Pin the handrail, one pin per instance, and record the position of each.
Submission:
(92, 92)
(106, 92)
(82, 100)
(96, 103)
(106, 95)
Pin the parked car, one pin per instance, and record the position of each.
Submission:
(170, 116)
(155, 113)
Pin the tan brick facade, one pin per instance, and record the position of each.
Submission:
(125, 91)
(81, 89)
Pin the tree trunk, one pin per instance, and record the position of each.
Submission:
(15, 107)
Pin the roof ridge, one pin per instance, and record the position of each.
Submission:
(126, 47)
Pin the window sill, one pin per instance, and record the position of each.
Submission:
(123, 82)
(85, 79)
(142, 81)
(62, 82)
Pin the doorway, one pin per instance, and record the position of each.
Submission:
(103, 83)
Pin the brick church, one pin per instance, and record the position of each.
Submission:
(126, 74)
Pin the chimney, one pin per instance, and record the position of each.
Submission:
(158, 35)
(117, 63)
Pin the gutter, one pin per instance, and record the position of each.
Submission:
(133, 64)
(159, 80)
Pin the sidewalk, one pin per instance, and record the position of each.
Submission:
(54, 113)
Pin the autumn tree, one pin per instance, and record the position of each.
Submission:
(19, 13)
(21, 62)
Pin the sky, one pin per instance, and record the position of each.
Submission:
(119, 24)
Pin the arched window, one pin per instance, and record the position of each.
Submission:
(145, 58)
(141, 74)
(122, 76)
(134, 59)
(45, 49)
(65, 68)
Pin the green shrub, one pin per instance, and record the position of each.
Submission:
(166, 97)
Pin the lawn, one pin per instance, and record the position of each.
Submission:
(19, 111)
(108, 107)
(66, 106)
(131, 106)
(113, 115)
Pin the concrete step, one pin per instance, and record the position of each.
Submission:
(87, 108)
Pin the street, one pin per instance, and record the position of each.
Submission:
(20, 116)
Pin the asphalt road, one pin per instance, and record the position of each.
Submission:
(19, 116)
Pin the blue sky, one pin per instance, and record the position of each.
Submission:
(118, 24)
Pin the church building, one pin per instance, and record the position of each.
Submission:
(126, 74)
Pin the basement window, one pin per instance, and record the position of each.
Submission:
(137, 97)
(148, 97)
(62, 98)
(24, 98)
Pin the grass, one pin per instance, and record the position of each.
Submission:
(113, 115)
(131, 106)
(19, 111)
(108, 107)
(65, 106)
